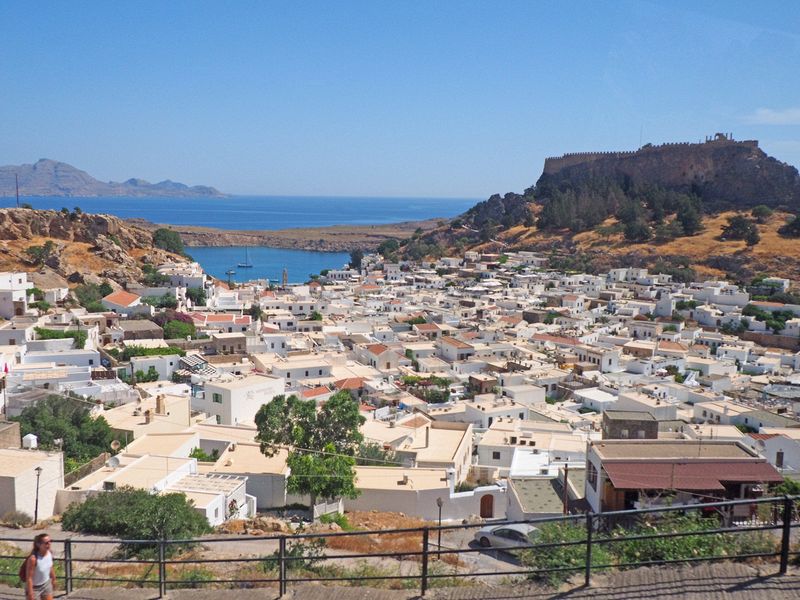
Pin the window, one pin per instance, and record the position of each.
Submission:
(521, 415)
(640, 434)
(91, 362)
(216, 398)
(306, 373)
(623, 433)
(513, 439)
(320, 371)
(495, 456)
(591, 475)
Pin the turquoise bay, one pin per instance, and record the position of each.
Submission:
(262, 213)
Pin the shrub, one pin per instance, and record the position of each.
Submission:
(339, 519)
(671, 548)
(178, 329)
(78, 336)
(16, 519)
(303, 555)
(555, 557)
(194, 578)
(141, 351)
(133, 514)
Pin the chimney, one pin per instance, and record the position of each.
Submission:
(160, 405)
(147, 416)
(427, 436)
(451, 480)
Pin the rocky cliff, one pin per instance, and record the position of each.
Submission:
(52, 178)
(723, 172)
(86, 247)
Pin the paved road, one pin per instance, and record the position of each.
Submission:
(723, 581)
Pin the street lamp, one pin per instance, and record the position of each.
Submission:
(439, 541)
(36, 505)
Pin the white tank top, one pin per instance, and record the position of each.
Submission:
(42, 571)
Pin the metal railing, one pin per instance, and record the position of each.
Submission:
(289, 561)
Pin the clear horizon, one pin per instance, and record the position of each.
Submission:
(364, 99)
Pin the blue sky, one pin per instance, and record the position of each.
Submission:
(382, 98)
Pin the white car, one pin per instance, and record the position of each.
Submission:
(506, 536)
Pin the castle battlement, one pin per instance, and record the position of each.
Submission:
(554, 164)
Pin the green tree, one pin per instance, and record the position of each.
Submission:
(356, 256)
(371, 454)
(322, 443)
(637, 231)
(316, 316)
(388, 249)
(791, 229)
(165, 301)
(38, 255)
(255, 312)
(689, 218)
(90, 294)
(761, 213)
(56, 417)
(740, 228)
(174, 330)
(168, 240)
(197, 296)
(152, 278)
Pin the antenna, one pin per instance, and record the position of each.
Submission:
(16, 181)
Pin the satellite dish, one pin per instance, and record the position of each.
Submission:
(115, 445)
(112, 463)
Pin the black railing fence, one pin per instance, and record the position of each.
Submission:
(417, 561)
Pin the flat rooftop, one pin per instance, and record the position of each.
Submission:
(669, 449)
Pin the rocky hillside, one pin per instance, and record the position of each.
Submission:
(85, 247)
(52, 178)
(667, 208)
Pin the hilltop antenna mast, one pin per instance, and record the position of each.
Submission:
(16, 181)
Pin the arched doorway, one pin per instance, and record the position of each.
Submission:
(487, 506)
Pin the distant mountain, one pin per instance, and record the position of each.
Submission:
(53, 178)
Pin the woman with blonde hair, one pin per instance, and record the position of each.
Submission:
(40, 576)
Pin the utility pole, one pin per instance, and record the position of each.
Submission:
(566, 489)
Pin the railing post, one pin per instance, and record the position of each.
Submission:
(68, 566)
(589, 529)
(424, 576)
(282, 565)
(162, 568)
(786, 533)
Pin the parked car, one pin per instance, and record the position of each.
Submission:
(506, 536)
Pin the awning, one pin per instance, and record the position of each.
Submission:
(694, 476)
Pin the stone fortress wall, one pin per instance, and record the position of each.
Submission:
(554, 164)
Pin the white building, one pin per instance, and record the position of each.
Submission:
(238, 400)
(13, 294)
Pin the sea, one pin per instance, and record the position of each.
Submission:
(261, 212)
